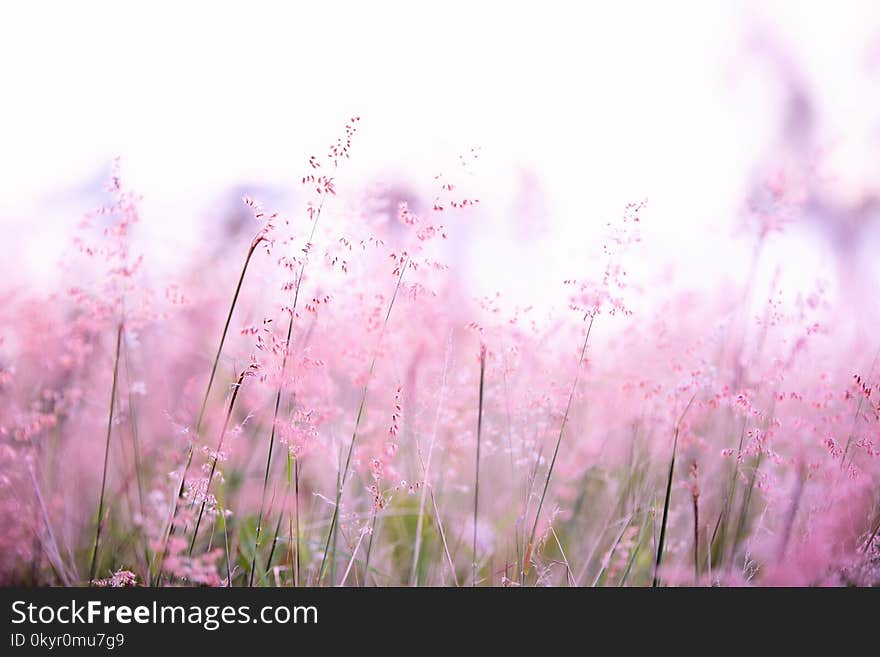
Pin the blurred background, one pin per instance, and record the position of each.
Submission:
(740, 139)
(729, 118)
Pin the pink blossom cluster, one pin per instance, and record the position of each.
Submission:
(307, 409)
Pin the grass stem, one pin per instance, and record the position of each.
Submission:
(100, 522)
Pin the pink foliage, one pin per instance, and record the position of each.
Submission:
(777, 452)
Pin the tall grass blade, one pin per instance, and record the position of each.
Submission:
(477, 473)
(100, 523)
(531, 543)
(663, 523)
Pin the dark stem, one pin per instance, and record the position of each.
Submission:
(299, 280)
(201, 417)
(344, 474)
(235, 390)
(577, 376)
(662, 542)
(272, 442)
(477, 474)
(100, 524)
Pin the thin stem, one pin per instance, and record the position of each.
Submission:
(276, 535)
(226, 541)
(296, 513)
(426, 468)
(55, 554)
(696, 501)
(132, 412)
(292, 476)
(607, 560)
(354, 555)
(744, 509)
(272, 442)
(216, 456)
(855, 420)
(293, 556)
(577, 377)
(369, 548)
(92, 569)
(344, 474)
(182, 487)
(299, 280)
(477, 474)
(662, 540)
(569, 575)
(442, 533)
(727, 509)
(635, 550)
(136, 448)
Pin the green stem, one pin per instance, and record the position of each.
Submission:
(299, 280)
(344, 474)
(661, 543)
(271, 445)
(94, 566)
(201, 417)
(477, 474)
(216, 456)
(577, 376)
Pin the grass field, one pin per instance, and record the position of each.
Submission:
(325, 403)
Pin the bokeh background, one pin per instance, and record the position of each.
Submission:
(575, 112)
(704, 172)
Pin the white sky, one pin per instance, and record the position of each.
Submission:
(607, 102)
